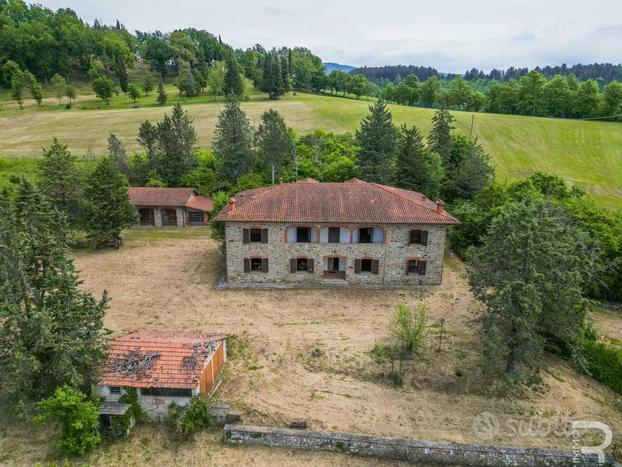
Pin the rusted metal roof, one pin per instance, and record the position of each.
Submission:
(169, 197)
(156, 359)
(354, 201)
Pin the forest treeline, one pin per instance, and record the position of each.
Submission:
(41, 48)
(533, 94)
(38, 44)
(602, 72)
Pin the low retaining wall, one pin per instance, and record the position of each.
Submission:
(403, 449)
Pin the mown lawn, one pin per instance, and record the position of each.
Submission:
(587, 153)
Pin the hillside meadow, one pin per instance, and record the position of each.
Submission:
(587, 153)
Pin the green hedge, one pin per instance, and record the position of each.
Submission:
(604, 362)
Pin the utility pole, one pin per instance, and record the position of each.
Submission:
(471, 132)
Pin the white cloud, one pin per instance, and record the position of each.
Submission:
(451, 35)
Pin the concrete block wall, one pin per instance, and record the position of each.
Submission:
(418, 452)
(392, 255)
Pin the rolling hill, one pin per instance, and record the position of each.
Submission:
(586, 153)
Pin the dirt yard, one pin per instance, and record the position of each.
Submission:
(274, 377)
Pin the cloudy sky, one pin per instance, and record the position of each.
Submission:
(451, 35)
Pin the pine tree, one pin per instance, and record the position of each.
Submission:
(170, 145)
(60, 180)
(51, 332)
(107, 209)
(533, 296)
(416, 167)
(272, 81)
(233, 80)
(377, 140)
(233, 142)
(118, 154)
(162, 97)
(439, 139)
(467, 171)
(274, 142)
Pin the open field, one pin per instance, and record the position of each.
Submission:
(586, 153)
(165, 281)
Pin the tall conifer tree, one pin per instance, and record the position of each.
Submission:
(439, 139)
(107, 208)
(60, 180)
(51, 332)
(233, 141)
(417, 167)
(377, 140)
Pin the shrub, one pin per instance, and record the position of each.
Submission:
(75, 416)
(408, 328)
(191, 418)
(604, 363)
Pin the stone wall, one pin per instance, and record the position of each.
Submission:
(419, 452)
(392, 256)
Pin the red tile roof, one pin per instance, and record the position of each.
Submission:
(354, 201)
(169, 197)
(170, 359)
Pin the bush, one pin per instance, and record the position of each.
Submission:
(75, 416)
(604, 363)
(191, 418)
(408, 328)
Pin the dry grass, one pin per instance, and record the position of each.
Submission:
(272, 378)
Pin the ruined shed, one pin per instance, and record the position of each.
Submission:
(163, 366)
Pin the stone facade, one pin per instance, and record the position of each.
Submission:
(409, 450)
(392, 251)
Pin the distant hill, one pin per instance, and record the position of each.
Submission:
(329, 66)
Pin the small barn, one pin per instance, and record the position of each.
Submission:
(163, 367)
(170, 207)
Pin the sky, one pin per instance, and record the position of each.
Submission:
(450, 35)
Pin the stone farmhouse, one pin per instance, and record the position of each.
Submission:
(176, 207)
(352, 233)
(164, 367)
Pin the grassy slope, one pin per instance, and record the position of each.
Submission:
(586, 153)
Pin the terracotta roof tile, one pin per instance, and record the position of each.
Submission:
(354, 201)
(168, 353)
(169, 197)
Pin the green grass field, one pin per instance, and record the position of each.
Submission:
(585, 153)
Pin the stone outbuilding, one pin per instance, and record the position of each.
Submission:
(170, 207)
(163, 367)
(350, 233)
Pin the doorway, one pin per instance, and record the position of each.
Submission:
(334, 267)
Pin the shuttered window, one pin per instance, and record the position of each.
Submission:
(419, 237)
(301, 265)
(255, 235)
(255, 265)
(366, 265)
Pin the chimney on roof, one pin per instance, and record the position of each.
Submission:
(232, 204)
(440, 207)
